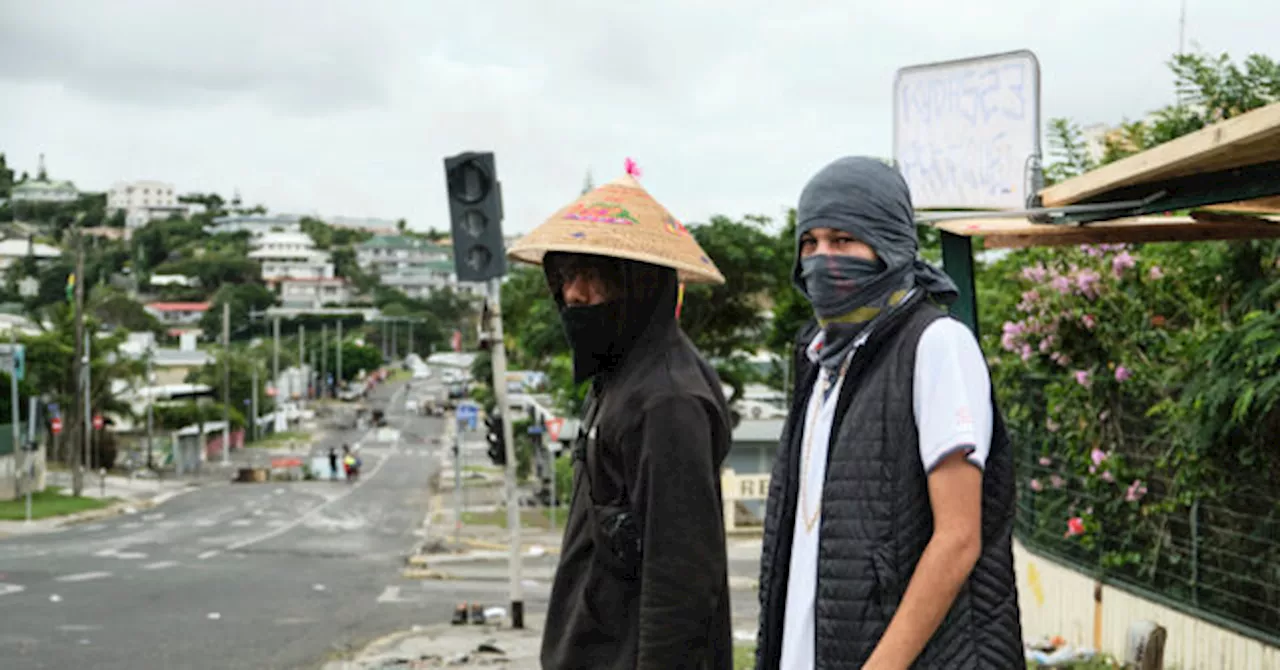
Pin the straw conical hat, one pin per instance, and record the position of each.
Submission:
(622, 220)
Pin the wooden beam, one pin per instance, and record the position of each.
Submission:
(1248, 139)
(1203, 227)
(1259, 206)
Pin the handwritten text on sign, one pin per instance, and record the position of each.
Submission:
(964, 131)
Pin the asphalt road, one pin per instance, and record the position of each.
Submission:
(270, 575)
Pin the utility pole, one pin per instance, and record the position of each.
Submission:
(499, 352)
(394, 341)
(324, 360)
(409, 348)
(77, 474)
(28, 468)
(275, 352)
(337, 377)
(226, 382)
(14, 406)
(277, 419)
(88, 411)
(151, 401)
(302, 359)
(384, 340)
(253, 422)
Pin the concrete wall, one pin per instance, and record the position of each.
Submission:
(11, 471)
(1057, 600)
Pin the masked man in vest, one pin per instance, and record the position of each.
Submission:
(888, 532)
(643, 574)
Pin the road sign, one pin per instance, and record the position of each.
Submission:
(554, 425)
(98, 422)
(467, 415)
(14, 357)
(55, 424)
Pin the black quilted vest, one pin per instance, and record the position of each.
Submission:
(876, 521)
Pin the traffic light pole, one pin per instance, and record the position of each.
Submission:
(499, 354)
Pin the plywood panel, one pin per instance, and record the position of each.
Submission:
(1022, 233)
(1247, 139)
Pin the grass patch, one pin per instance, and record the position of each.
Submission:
(529, 518)
(399, 375)
(744, 656)
(47, 503)
(483, 469)
(277, 440)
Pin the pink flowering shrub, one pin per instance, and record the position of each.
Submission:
(1118, 369)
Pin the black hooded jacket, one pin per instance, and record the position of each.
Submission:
(643, 575)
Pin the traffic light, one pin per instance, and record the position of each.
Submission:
(493, 435)
(475, 216)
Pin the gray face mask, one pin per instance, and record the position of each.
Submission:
(847, 294)
(834, 283)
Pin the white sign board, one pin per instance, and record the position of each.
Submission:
(964, 131)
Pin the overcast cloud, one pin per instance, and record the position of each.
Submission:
(348, 108)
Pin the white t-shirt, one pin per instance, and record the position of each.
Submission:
(952, 403)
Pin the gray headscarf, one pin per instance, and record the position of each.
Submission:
(871, 201)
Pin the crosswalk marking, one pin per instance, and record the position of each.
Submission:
(83, 576)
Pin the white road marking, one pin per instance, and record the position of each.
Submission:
(55, 598)
(131, 524)
(208, 554)
(159, 565)
(78, 628)
(83, 576)
(318, 587)
(277, 492)
(206, 523)
(123, 555)
(215, 616)
(390, 595)
(95, 526)
(154, 516)
(314, 510)
(6, 589)
(242, 523)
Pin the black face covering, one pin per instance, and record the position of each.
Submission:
(600, 336)
(592, 331)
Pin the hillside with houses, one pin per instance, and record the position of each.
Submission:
(208, 315)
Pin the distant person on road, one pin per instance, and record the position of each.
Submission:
(350, 463)
(888, 530)
(642, 580)
(333, 463)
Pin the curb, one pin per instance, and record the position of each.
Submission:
(499, 546)
(424, 573)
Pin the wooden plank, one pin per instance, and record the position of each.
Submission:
(1021, 233)
(1247, 139)
(1259, 206)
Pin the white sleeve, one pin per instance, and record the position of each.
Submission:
(952, 394)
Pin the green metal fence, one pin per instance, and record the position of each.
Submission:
(1217, 559)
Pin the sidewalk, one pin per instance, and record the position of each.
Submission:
(445, 645)
(132, 494)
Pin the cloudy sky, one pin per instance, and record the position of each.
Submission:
(348, 108)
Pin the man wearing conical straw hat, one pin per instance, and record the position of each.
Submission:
(643, 576)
